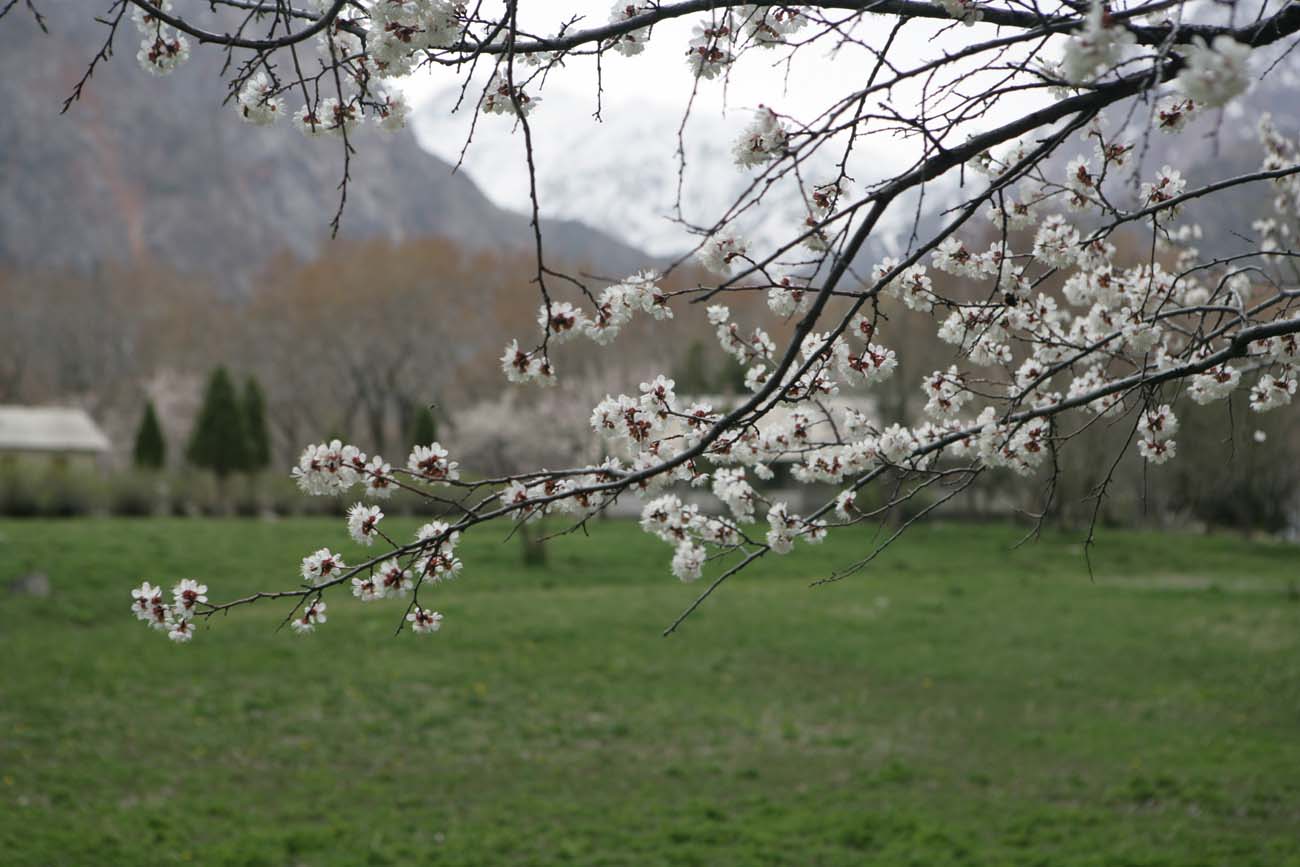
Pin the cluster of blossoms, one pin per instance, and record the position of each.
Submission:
(1277, 232)
(633, 42)
(329, 469)
(162, 48)
(560, 321)
(176, 618)
(1173, 114)
(913, 286)
(499, 97)
(965, 11)
(1168, 184)
(1216, 72)
(424, 621)
(770, 26)
(765, 139)
(1156, 429)
(688, 530)
(709, 51)
(328, 117)
(712, 46)
(789, 297)
(821, 205)
(312, 615)
(720, 251)
(1276, 389)
(1214, 385)
(258, 102)
(1098, 47)
(398, 31)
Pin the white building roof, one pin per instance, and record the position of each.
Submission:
(49, 429)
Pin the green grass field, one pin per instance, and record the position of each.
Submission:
(957, 703)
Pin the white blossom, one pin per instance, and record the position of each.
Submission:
(393, 580)
(846, 508)
(1097, 47)
(367, 588)
(913, 286)
(668, 519)
(786, 298)
(162, 50)
(769, 26)
(720, 250)
(363, 523)
(329, 116)
(497, 97)
(1271, 392)
(329, 468)
(145, 596)
(1215, 72)
(432, 463)
(1214, 384)
(187, 595)
(1173, 113)
(965, 11)
(945, 392)
(1057, 242)
(633, 42)
(1169, 184)
(526, 367)
(560, 320)
(312, 615)
(379, 479)
(1156, 451)
(1159, 423)
(688, 561)
(423, 621)
(709, 51)
(321, 566)
(180, 629)
(782, 528)
(764, 139)
(258, 103)
(392, 111)
(730, 487)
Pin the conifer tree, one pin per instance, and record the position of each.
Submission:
(150, 446)
(219, 441)
(424, 429)
(692, 374)
(255, 427)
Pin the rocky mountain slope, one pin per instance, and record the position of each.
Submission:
(149, 169)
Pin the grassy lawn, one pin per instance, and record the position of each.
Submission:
(957, 703)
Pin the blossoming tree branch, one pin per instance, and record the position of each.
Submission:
(1051, 329)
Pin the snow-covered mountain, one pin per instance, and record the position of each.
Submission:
(621, 173)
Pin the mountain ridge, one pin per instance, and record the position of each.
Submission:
(142, 169)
